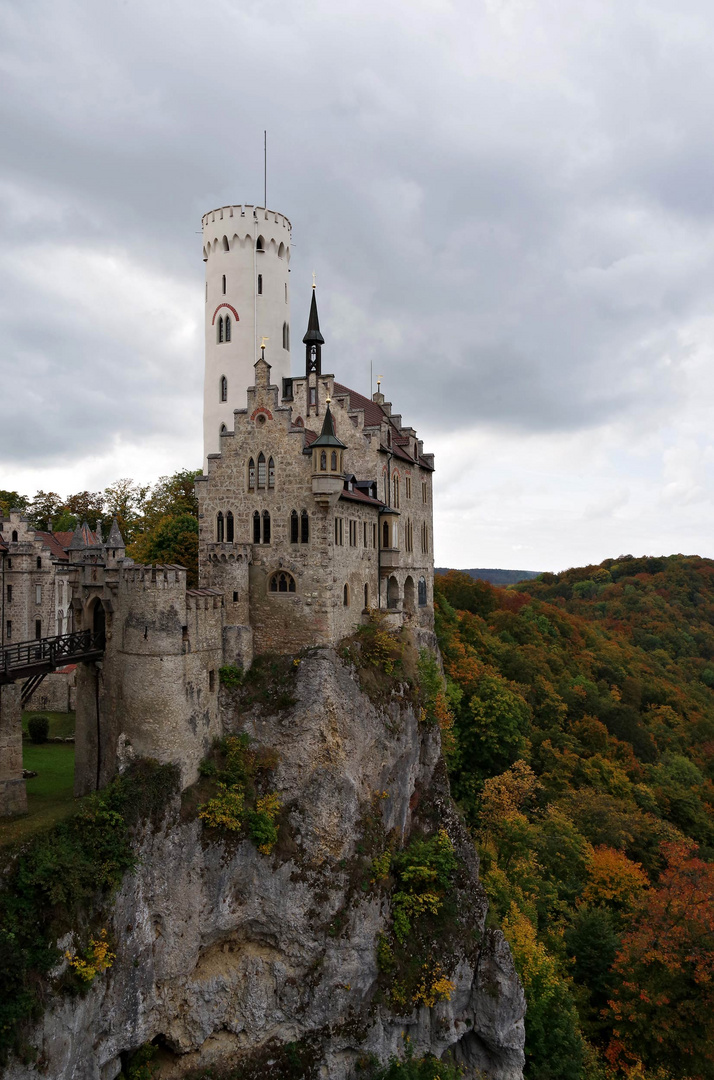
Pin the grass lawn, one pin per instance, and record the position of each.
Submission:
(49, 794)
(61, 724)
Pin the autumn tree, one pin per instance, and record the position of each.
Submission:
(662, 1011)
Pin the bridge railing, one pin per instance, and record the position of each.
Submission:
(51, 650)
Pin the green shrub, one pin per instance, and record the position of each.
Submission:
(38, 728)
(65, 877)
(230, 675)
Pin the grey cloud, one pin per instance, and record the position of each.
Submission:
(467, 178)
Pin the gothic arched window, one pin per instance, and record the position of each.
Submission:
(323, 461)
(251, 475)
(261, 469)
(294, 527)
(333, 461)
(395, 487)
(229, 527)
(421, 588)
(304, 527)
(256, 527)
(219, 332)
(219, 527)
(282, 581)
(385, 534)
(266, 527)
(224, 388)
(228, 328)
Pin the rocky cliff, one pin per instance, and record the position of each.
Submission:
(267, 964)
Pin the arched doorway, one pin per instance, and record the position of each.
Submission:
(409, 594)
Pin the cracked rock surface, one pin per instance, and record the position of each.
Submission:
(224, 953)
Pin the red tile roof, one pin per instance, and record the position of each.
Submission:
(51, 540)
(374, 414)
(359, 496)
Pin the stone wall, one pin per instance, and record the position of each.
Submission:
(13, 796)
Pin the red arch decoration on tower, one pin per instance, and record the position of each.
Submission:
(230, 308)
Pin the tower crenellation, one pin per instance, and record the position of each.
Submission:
(246, 252)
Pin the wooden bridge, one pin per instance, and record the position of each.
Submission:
(30, 661)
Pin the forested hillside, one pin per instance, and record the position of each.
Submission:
(582, 755)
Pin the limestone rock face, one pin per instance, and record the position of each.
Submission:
(224, 953)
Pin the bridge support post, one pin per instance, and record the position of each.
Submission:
(13, 795)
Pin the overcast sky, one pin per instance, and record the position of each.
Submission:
(509, 205)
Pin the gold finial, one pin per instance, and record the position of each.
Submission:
(379, 381)
(328, 399)
(263, 341)
(313, 279)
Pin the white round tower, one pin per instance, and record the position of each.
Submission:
(246, 250)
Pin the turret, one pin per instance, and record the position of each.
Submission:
(246, 250)
(327, 461)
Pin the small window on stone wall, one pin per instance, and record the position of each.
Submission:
(294, 527)
(256, 527)
(304, 527)
(261, 469)
(251, 475)
(421, 588)
(229, 527)
(282, 582)
(266, 527)
(219, 528)
(346, 596)
(271, 473)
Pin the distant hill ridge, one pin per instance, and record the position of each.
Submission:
(495, 577)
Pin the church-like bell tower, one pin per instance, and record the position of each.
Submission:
(313, 342)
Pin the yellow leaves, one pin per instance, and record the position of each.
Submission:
(97, 958)
(614, 879)
(380, 867)
(224, 810)
(508, 792)
(433, 987)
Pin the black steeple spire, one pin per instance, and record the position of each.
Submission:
(313, 340)
(328, 436)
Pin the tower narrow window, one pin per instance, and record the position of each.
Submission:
(228, 328)
(226, 245)
(219, 527)
(266, 527)
(251, 475)
(346, 596)
(385, 534)
(294, 527)
(14, 536)
(323, 461)
(260, 284)
(421, 590)
(260, 244)
(304, 527)
(224, 388)
(256, 527)
(224, 284)
(38, 628)
(271, 473)
(229, 527)
(285, 335)
(261, 469)
(395, 486)
(219, 332)
(333, 461)
(39, 562)
(366, 596)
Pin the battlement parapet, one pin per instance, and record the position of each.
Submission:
(246, 212)
(203, 599)
(169, 576)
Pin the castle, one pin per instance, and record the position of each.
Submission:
(315, 506)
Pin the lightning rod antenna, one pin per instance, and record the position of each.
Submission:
(265, 169)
